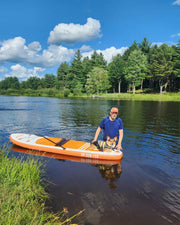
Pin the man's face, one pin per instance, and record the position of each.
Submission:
(113, 115)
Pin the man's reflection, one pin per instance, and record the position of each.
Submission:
(110, 172)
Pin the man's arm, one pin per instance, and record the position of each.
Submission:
(118, 146)
(97, 134)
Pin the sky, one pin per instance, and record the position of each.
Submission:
(36, 36)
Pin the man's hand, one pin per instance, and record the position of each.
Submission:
(118, 147)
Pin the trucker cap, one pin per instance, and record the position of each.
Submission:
(114, 109)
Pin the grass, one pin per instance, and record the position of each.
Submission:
(52, 92)
(175, 97)
(48, 92)
(22, 197)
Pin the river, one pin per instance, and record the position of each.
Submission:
(143, 189)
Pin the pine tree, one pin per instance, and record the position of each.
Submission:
(175, 78)
(145, 46)
(97, 60)
(127, 53)
(76, 69)
(176, 59)
(62, 73)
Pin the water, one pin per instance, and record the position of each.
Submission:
(143, 189)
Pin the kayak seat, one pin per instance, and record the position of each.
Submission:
(62, 142)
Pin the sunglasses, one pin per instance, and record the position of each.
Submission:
(114, 112)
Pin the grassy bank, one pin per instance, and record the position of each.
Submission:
(175, 97)
(22, 197)
(52, 92)
(48, 92)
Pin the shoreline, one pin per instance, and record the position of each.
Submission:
(172, 97)
(165, 97)
(23, 196)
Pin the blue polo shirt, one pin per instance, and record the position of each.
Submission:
(111, 128)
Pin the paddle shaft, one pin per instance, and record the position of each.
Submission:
(52, 141)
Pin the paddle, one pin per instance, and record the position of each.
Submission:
(60, 143)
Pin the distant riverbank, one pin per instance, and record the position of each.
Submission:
(22, 196)
(143, 97)
(51, 92)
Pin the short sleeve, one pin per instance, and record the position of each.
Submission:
(120, 124)
(102, 123)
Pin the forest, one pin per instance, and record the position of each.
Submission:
(143, 67)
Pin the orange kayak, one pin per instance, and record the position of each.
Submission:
(63, 157)
(68, 148)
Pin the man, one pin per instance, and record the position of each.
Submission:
(112, 127)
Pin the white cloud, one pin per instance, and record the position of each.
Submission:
(34, 46)
(175, 35)
(85, 48)
(107, 53)
(25, 56)
(3, 69)
(177, 2)
(72, 33)
(161, 43)
(23, 72)
(12, 49)
(15, 51)
(55, 55)
(157, 43)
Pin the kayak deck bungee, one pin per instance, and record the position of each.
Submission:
(70, 147)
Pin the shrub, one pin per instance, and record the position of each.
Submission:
(66, 92)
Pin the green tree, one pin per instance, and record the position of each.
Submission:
(62, 73)
(76, 70)
(145, 46)
(97, 60)
(10, 82)
(161, 65)
(33, 83)
(15, 83)
(87, 65)
(97, 81)
(176, 65)
(127, 53)
(77, 91)
(116, 72)
(23, 84)
(136, 68)
(71, 81)
(49, 80)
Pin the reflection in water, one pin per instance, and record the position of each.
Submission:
(65, 157)
(110, 172)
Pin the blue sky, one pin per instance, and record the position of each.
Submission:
(37, 36)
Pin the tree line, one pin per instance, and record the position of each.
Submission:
(143, 66)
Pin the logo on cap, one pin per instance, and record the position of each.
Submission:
(114, 109)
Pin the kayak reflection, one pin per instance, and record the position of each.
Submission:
(65, 157)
